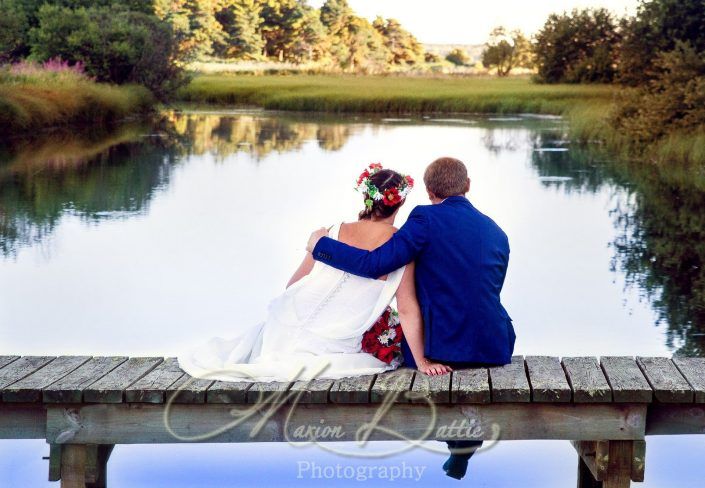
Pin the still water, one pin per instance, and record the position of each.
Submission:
(148, 239)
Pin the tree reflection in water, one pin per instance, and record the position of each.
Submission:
(659, 216)
(657, 210)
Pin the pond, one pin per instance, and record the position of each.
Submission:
(147, 239)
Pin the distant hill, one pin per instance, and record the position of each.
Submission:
(473, 50)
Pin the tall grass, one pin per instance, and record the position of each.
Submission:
(390, 94)
(54, 94)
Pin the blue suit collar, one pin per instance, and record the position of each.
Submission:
(457, 198)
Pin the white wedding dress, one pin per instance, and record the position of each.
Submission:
(313, 330)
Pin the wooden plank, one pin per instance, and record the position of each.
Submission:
(693, 369)
(144, 423)
(509, 382)
(151, 388)
(54, 462)
(24, 366)
(619, 466)
(675, 419)
(188, 389)
(470, 386)
(69, 389)
(22, 421)
(228, 392)
(269, 392)
(97, 464)
(587, 380)
(392, 386)
(73, 466)
(434, 389)
(668, 384)
(626, 379)
(352, 390)
(111, 387)
(315, 391)
(547, 379)
(595, 455)
(5, 360)
(29, 388)
(638, 460)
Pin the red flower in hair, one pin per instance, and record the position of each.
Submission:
(391, 196)
(376, 166)
(364, 175)
(409, 180)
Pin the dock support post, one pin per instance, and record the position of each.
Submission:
(79, 465)
(97, 465)
(610, 464)
(73, 466)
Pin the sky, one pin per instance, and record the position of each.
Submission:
(470, 21)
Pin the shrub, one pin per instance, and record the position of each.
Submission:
(458, 57)
(577, 47)
(13, 30)
(674, 101)
(114, 44)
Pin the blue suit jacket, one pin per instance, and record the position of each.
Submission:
(461, 260)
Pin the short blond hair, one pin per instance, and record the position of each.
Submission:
(446, 177)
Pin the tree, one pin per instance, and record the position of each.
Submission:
(657, 27)
(311, 40)
(505, 51)
(673, 100)
(458, 57)
(13, 31)
(241, 22)
(405, 49)
(577, 47)
(194, 25)
(114, 44)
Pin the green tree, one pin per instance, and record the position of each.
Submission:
(657, 27)
(241, 22)
(114, 44)
(13, 30)
(577, 47)
(505, 51)
(405, 49)
(194, 25)
(458, 57)
(673, 100)
(310, 36)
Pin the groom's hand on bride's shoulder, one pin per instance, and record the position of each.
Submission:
(315, 237)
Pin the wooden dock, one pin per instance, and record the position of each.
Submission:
(82, 406)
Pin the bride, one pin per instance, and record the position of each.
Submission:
(330, 324)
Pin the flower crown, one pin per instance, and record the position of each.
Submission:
(390, 196)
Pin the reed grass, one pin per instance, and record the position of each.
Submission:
(33, 98)
(391, 94)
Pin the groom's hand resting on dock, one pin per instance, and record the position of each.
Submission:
(315, 237)
(431, 368)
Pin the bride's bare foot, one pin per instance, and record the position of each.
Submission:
(432, 368)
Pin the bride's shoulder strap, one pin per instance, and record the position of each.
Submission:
(334, 232)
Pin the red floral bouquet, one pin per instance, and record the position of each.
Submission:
(383, 339)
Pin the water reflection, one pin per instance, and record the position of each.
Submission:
(659, 220)
(659, 236)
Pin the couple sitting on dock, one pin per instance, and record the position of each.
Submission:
(445, 266)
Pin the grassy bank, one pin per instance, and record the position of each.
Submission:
(587, 107)
(380, 94)
(34, 98)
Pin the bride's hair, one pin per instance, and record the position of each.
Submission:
(383, 180)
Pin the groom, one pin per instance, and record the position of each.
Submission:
(461, 260)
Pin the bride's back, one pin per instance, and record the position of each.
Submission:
(365, 234)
